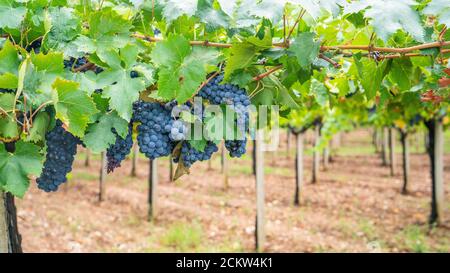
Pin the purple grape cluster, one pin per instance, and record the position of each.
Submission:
(117, 152)
(190, 155)
(153, 132)
(238, 99)
(61, 151)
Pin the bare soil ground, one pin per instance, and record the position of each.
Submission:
(355, 207)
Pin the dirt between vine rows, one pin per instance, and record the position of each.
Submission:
(355, 207)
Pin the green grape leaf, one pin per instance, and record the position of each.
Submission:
(401, 73)
(73, 106)
(181, 68)
(371, 75)
(8, 81)
(16, 167)
(388, 16)
(173, 9)
(242, 53)
(39, 128)
(305, 48)
(107, 22)
(116, 82)
(9, 129)
(439, 8)
(99, 135)
(63, 27)
(212, 17)
(320, 92)
(316, 8)
(9, 66)
(53, 62)
(123, 93)
(199, 145)
(11, 15)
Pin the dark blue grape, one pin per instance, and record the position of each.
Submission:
(117, 152)
(190, 155)
(178, 131)
(238, 100)
(35, 46)
(134, 74)
(153, 132)
(74, 63)
(61, 151)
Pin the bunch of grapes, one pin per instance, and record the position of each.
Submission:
(35, 46)
(153, 132)
(229, 94)
(178, 131)
(61, 151)
(415, 120)
(117, 152)
(190, 155)
(238, 99)
(74, 63)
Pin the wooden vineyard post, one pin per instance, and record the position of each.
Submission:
(254, 157)
(210, 164)
(406, 164)
(288, 143)
(392, 161)
(170, 168)
(326, 157)
(384, 146)
(134, 159)
(298, 168)
(224, 161)
(436, 154)
(152, 190)
(87, 160)
(103, 171)
(316, 155)
(260, 195)
(10, 239)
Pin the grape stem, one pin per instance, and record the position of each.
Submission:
(207, 81)
(267, 73)
(332, 62)
(302, 12)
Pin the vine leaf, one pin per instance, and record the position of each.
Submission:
(62, 27)
(370, 74)
(16, 167)
(242, 53)
(9, 129)
(99, 135)
(316, 8)
(320, 92)
(39, 128)
(181, 68)
(441, 9)
(305, 48)
(212, 17)
(9, 66)
(401, 72)
(11, 16)
(175, 8)
(116, 82)
(388, 16)
(73, 106)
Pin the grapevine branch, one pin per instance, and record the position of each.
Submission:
(401, 50)
(265, 74)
